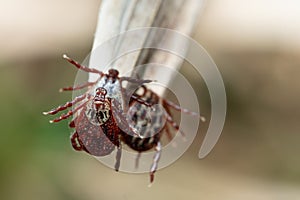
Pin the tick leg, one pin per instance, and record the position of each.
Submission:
(155, 161)
(137, 159)
(138, 99)
(135, 80)
(67, 105)
(178, 108)
(174, 124)
(72, 88)
(76, 143)
(68, 114)
(169, 135)
(83, 68)
(72, 123)
(118, 157)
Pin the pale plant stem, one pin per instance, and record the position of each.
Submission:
(117, 16)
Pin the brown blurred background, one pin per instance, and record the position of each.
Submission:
(256, 46)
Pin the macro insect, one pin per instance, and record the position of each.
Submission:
(103, 121)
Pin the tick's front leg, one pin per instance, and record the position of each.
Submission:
(118, 157)
(155, 161)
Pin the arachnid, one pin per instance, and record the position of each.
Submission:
(102, 119)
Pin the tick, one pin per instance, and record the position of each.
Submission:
(102, 120)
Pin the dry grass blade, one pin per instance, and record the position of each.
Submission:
(117, 16)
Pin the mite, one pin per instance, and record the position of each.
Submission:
(103, 121)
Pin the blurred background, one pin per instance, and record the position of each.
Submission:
(256, 46)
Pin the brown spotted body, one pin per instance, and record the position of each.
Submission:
(89, 137)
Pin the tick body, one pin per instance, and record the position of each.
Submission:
(103, 121)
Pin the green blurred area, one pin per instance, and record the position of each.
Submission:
(33, 151)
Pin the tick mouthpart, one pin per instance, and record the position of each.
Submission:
(101, 91)
(113, 73)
